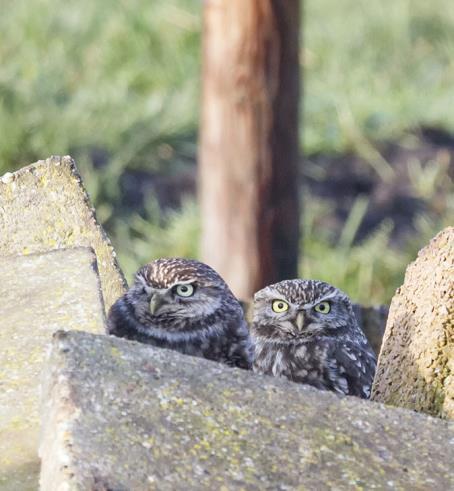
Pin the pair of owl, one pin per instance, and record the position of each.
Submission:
(303, 330)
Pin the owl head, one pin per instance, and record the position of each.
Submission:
(297, 309)
(170, 290)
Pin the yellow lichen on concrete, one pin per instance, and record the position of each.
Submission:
(44, 206)
(416, 363)
(39, 294)
(182, 422)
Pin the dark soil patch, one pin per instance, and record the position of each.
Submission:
(340, 179)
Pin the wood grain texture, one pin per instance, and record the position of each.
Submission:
(248, 162)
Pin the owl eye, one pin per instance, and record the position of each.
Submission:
(184, 290)
(279, 306)
(323, 307)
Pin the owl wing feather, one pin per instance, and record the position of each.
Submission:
(350, 369)
(239, 346)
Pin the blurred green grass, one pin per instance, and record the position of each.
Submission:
(116, 85)
(117, 76)
(376, 69)
(124, 76)
(369, 271)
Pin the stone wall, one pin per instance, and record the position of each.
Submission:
(416, 363)
(119, 415)
(39, 294)
(44, 206)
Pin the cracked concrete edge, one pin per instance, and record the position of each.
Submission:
(107, 260)
(156, 419)
(416, 363)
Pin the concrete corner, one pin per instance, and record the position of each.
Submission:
(118, 415)
(39, 294)
(43, 207)
(416, 364)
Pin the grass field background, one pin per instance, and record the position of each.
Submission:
(116, 85)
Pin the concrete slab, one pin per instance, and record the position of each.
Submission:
(39, 294)
(44, 206)
(416, 364)
(118, 415)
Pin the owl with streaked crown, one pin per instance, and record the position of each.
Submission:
(183, 305)
(306, 331)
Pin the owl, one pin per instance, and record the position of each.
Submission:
(183, 305)
(306, 331)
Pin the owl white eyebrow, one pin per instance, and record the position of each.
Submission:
(323, 299)
(182, 282)
(276, 296)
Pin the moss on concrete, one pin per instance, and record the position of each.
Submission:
(135, 417)
(39, 294)
(416, 363)
(44, 206)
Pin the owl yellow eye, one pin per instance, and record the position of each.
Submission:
(323, 307)
(279, 306)
(184, 290)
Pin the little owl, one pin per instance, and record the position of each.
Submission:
(186, 306)
(305, 330)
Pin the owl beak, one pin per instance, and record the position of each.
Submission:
(300, 321)
(156, 301)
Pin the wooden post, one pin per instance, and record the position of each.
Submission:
(248, 158)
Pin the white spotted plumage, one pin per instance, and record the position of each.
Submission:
(208, 322)
(327, 349)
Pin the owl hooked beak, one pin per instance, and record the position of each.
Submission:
(300, 321)
(157, 300)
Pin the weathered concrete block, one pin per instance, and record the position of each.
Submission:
(416, 363)
(120, 415)
(39, 294)
(44, 206)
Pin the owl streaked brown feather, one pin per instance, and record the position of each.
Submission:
(326, 350)
(209, 323)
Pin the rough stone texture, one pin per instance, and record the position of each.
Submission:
(44, 206)
(121, 416)
(416, 363)
(39, 294)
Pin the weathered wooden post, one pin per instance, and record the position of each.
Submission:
(248, 160)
